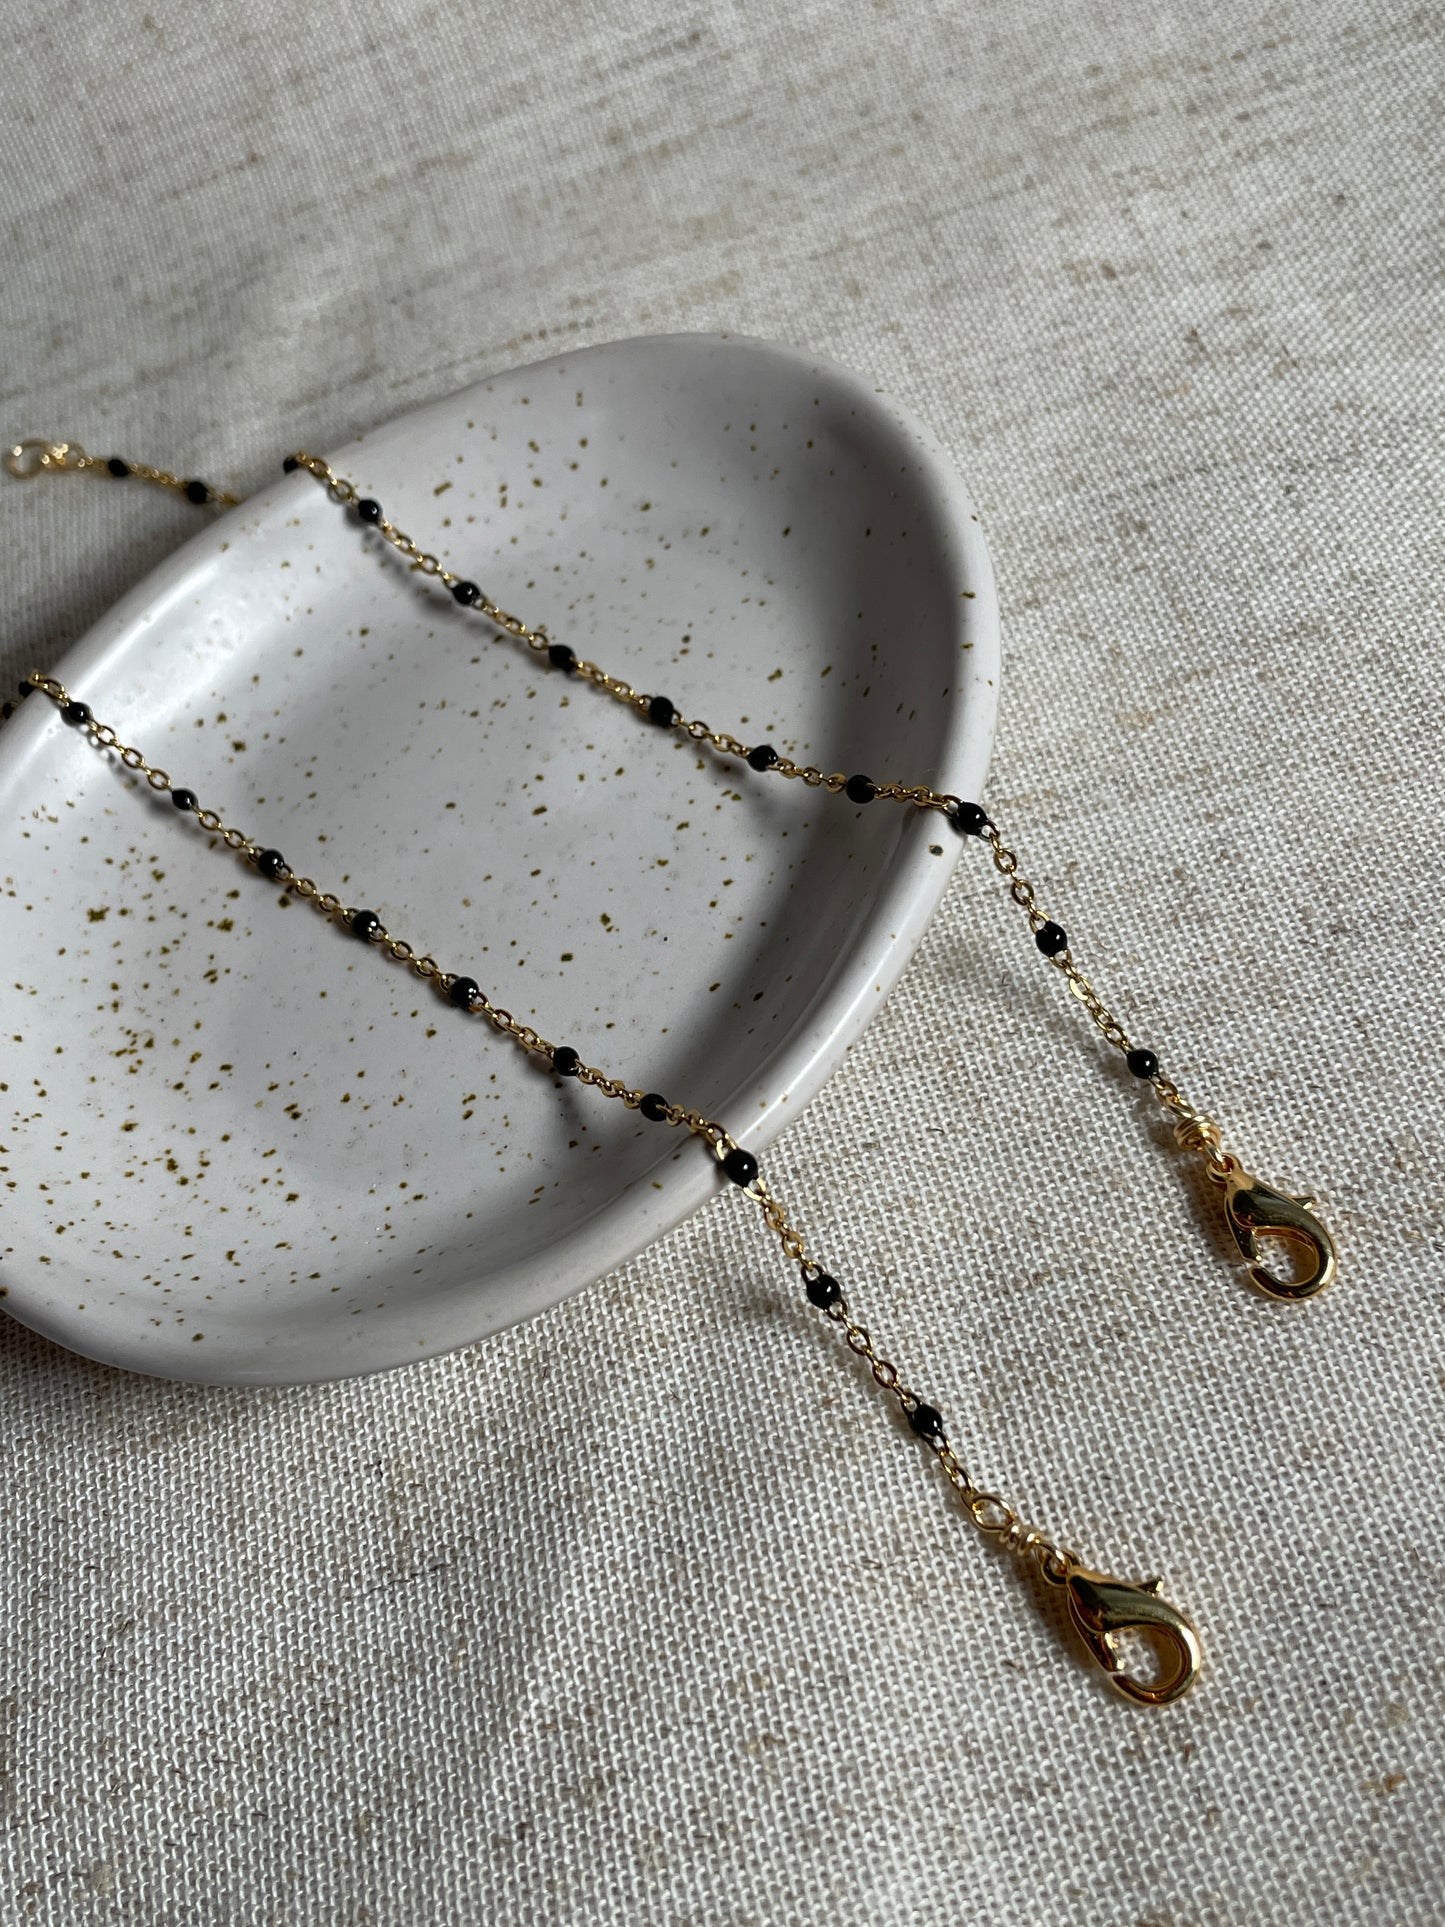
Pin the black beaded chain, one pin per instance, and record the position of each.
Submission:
(1251, 1207)
(1100, 1608)
(1195, 1130)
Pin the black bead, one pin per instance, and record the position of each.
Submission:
(7, 710)
(184, 799)
(369, 509)
(271, 863)
(926, 1422)
(561, 657)
(466, 593)
(823, 1291)
(290, 465)
(76, 713)
(463, 992)
(117, 466)
(661, 711)
(763, 757)
(365, 924)
(860, 789)
(1051, 938)
(654, 1108)
(197, 492)
(968, 819)
(565, 1061)
(25, 688)
(741, 1166)
(1143, 1063)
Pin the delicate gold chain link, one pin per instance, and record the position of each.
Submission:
(25, 460)
(539, 640)
(989, 1513)
(1101, 1607)
(1195, 1131)
(992, 1515)
(30, 458)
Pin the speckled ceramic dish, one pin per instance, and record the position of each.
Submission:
(242, 1148)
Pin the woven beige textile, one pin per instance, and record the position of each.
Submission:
(650, 1611)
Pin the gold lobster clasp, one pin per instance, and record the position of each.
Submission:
(1101, 1608)
(1251, 1208)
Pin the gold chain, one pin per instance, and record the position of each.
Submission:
(539, 641)
(1251, 1207)
(1100, 1608)
(1126, 1606)
(35, 457)
(1198, 1131)
(25, 460)
(1104, 1020)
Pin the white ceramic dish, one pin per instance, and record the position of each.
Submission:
(244, 1149)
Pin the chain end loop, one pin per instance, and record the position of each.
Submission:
(35, 456)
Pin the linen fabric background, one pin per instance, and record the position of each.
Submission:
(650, 1610)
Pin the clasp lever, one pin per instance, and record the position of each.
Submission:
(1251, 1207)
(1100, 1608)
